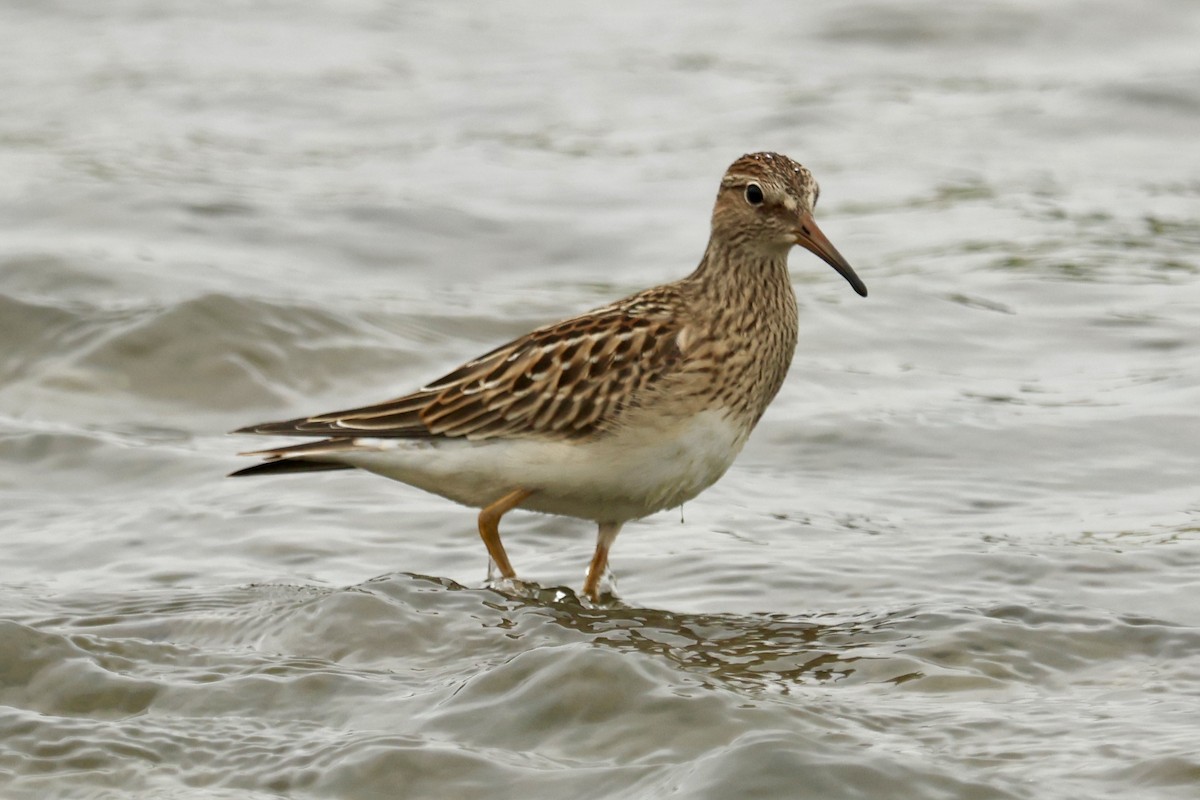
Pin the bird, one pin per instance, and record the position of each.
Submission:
(610, 415)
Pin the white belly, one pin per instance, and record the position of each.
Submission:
(623, 476)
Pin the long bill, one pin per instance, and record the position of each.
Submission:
(809, 236)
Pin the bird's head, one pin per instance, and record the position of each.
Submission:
(766, 203)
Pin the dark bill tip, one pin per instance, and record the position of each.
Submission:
(810, 237)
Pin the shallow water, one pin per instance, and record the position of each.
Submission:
(958, 558)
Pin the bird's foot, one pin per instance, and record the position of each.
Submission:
(515, 587)
(605, 595)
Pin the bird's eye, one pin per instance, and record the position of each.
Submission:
(754, 194)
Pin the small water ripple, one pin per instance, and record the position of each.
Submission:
(209, 686)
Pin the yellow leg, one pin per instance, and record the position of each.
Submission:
(604, 538)
(489, 528)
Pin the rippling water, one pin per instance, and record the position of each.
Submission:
(958, 558)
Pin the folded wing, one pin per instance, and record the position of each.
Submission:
(563, 381)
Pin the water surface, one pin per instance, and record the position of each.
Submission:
(957, 559)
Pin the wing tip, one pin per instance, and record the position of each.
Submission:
(285, 466)
(334, 426)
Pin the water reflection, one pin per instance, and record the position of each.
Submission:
(742, 651)
(409, 616)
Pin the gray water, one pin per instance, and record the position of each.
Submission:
(958, 558)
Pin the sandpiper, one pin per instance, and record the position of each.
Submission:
(611, 415)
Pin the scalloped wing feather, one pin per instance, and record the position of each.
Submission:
(564, 381)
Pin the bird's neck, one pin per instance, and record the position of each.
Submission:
(744, 277)
(747, 314)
